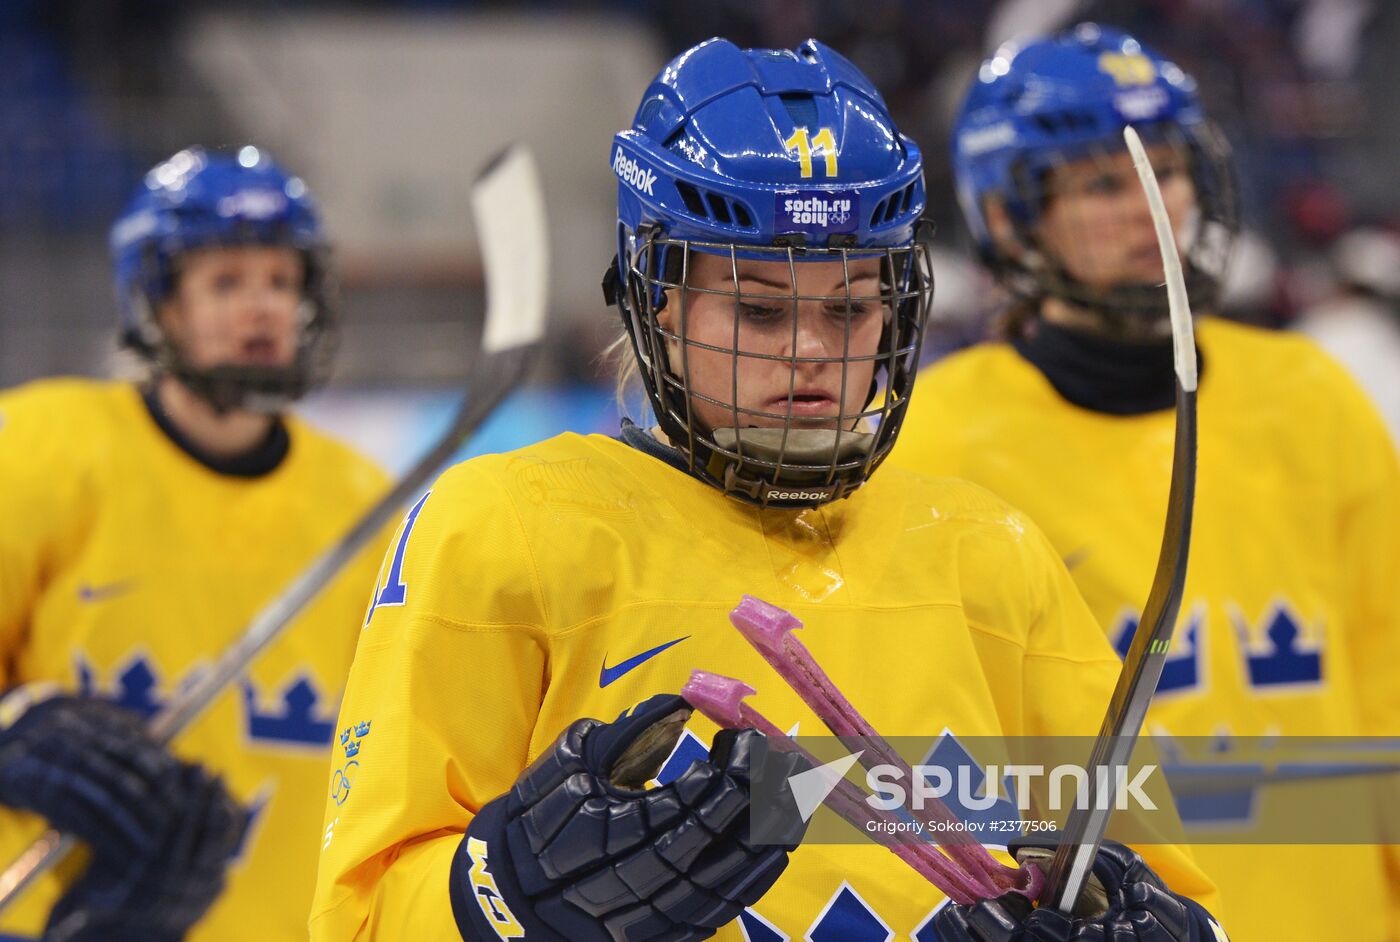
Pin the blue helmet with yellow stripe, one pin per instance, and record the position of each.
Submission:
(1039, 105)
(755, 145)
(783, 155)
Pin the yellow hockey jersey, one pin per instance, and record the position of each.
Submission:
(1290, 621)
(126, 565)
(578, 576)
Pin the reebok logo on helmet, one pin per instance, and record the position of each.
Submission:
(633, 173)
(778, 494)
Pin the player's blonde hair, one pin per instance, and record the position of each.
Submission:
(620, 360)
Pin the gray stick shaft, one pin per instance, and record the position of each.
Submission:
(39, 858)
(187, 706)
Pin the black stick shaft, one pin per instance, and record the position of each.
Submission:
(1142, 668)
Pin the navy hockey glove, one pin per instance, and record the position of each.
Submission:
(577, 851)
(1131, 902)
(161, 831)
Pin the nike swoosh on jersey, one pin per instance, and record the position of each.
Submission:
(101, 593)
(607, 675)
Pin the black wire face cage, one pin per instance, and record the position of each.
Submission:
(780, 452)
(1136, 310)
(264, 389)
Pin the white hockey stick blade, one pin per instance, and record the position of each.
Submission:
(508, 204)
(508, 207)
(1179, 303)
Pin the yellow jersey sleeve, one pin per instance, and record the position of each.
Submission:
(438, 713)
(43, 499)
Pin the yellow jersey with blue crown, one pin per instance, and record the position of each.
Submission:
(578, 576)
(126, 566)
(1290, 623)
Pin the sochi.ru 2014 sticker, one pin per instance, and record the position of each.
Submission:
(817, 211)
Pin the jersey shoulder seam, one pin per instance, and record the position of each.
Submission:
(535, 632)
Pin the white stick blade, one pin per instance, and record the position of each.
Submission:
(1183, 335)
(508, 205)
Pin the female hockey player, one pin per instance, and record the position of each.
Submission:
(145, 525)
(1289, 622)
(770, 279)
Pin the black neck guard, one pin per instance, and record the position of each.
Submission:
(1114, 377)
(263, 458)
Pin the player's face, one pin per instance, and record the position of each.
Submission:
(236, 306)
(1096, 221)
(796, 359)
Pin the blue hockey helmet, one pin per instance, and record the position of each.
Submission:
(1036, 106)
(783, 155)
(198, 200)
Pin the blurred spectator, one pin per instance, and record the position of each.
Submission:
(1360, 323)
(1247, 293)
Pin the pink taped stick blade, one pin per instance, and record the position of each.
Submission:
(763, 624)
(770, 630)
(717, 696)
(721, 699)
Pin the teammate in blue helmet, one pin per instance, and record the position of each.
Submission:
(765, 182)
(146, 524)
(1289, 625)
(1041, 127)
(773, 285)
(195, 203)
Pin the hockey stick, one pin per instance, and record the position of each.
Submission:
(721, 700)
(508, 208)
(1142, 668)
(772, 632)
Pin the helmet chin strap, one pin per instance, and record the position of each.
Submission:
(1113, 316)
(787, 465)
(1132, 312)
(267, 390)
